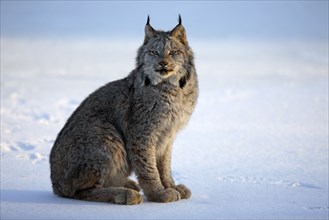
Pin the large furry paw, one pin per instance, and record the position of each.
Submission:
(165, 195)
(131, 184)
(128, 197)
(184, 192)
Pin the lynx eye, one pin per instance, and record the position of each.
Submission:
(154, 52)
(173, 52)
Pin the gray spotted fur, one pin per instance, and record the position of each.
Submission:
(129, 126)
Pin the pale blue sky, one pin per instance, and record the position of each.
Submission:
(202, 19)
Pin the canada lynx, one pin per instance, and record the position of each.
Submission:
(129, 126)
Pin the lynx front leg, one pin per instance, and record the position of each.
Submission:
(164, 167)
(145, 117)
(144, 162)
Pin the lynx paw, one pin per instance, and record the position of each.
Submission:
(131, 184)
(166, 195)
(128, 197)
(184, 192)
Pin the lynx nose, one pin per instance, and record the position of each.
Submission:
(163, 63)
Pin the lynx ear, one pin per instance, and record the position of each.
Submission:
(149, 31)
(179, 31)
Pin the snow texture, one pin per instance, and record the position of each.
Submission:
(255, 148)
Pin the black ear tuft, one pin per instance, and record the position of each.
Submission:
(179, 31)
(149, 31)
(148, 20)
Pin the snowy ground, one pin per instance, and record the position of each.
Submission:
(255, 148)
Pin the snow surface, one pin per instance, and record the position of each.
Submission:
(255, 148)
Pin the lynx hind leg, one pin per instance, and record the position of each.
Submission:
(117, 195)
(131, 184)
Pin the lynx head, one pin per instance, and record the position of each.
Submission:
(165, 55)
